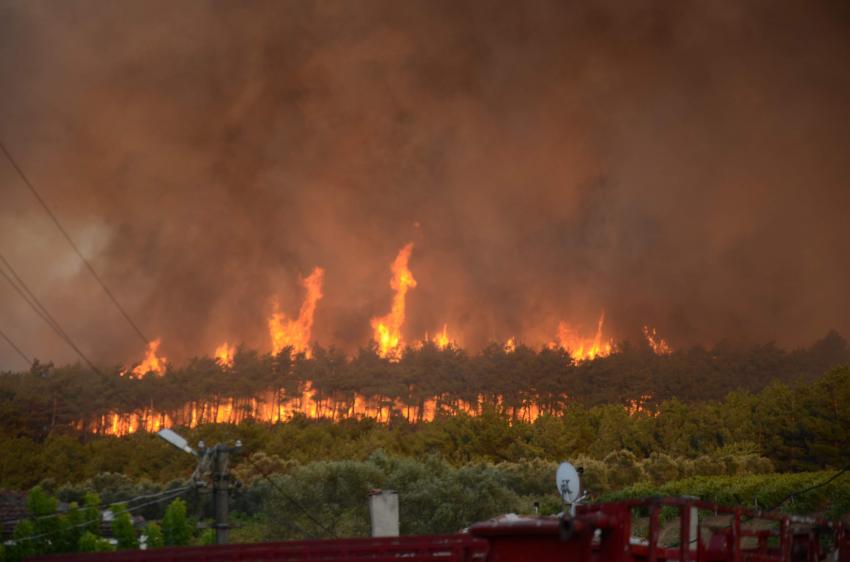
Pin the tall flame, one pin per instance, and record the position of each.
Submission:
(387, 329)
(295, 333)
(658, 344)
(581, 348)
(152, 362)
(224, 354)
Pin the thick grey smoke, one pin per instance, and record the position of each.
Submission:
(682, 164)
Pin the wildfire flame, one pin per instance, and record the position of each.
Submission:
(442, 339)
(151, 362)
(510, 345)
(387, 329)
(273, 407)
(641, 406)
(295, 333)
(659, 345)
(581, 348)
(224, 354)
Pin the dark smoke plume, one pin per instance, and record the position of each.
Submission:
(681, 164)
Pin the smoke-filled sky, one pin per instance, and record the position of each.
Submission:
(681, 164)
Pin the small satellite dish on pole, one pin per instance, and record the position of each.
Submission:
(568, 483)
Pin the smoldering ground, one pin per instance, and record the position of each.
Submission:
(681, 164)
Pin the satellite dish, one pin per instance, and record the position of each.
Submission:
(568, 483)
(176, 440)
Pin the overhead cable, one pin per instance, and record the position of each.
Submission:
(293, 501)
(73, 245)
(27, 295)
(810, 488)
(15, 347)
(171, 493)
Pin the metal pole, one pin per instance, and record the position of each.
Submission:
(221, 488)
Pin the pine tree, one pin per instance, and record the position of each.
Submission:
(122, 528)
(175, 525)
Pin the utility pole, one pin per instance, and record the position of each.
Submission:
(214, 461)
(218, 458)
(221, 489)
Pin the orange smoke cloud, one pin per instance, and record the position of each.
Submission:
(387, 329)
(295, 333)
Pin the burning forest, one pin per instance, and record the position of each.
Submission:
(398, 377)
(425, 246)
(291, 350)
(294, 336)
(402, 211)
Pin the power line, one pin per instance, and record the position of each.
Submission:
(39, 308)
(73, 245)
(99, 518)
(26, 295)
(15, 347)
(810, 488)
(58, 513)
(291, 500)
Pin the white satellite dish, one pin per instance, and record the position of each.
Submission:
(568, 483)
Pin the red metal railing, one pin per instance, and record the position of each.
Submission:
(443, 548)
(605, 533)
(598, 533)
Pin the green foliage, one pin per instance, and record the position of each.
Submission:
(176, 529)
(40, 503)
(761, 491)
(207, 537)
(155, 538)
(623, 468)
(23, 546)
(90, 514)
(89, 542)
(329, 498)
(435, 497)
(661, 468)
(122, 528)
